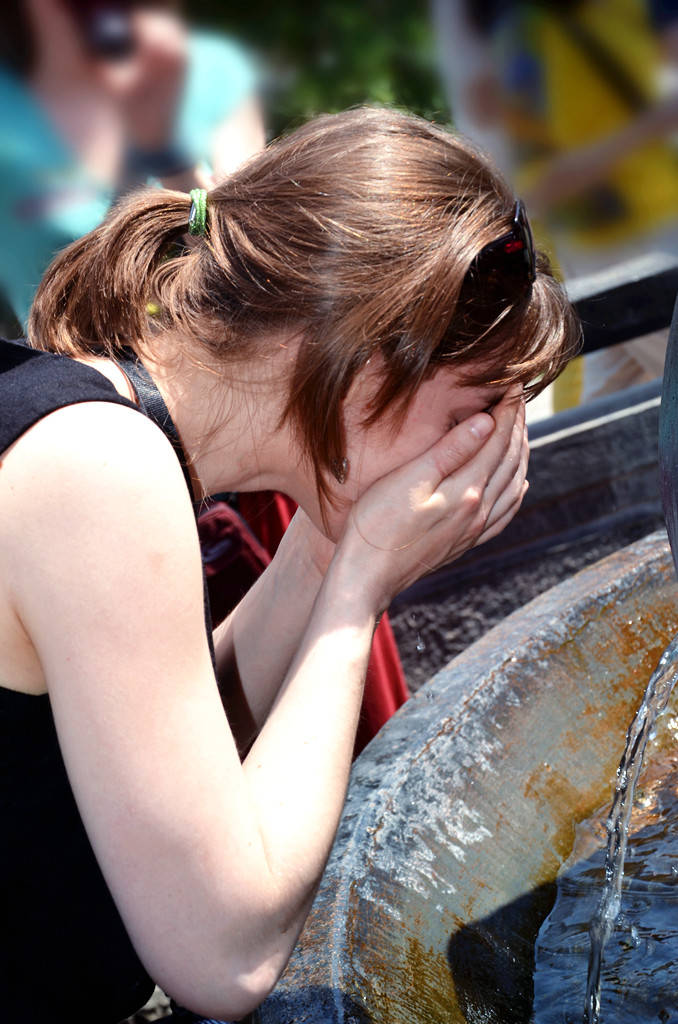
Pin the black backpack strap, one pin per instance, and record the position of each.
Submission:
(151, 401)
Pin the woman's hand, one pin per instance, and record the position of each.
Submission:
(460, 493)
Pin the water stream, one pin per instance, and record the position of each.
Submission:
(653, 703)
(640, 965)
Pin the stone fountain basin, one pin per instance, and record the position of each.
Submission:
(461, 811)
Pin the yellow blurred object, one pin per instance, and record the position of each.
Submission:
(567, 388)
(599, 67)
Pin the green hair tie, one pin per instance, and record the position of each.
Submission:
(197, 218)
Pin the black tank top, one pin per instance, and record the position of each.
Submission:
(64, 952)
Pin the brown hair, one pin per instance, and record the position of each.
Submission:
(356, 231)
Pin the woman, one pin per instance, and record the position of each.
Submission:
(356, 323)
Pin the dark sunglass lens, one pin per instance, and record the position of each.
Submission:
(524, 234)
(502, 273)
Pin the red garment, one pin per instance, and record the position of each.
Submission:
(235, 556)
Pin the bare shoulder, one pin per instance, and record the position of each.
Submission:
(94, 511)
(93, 463)
(98, 438)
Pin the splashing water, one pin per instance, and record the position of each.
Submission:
(640, 970)
(654, 702)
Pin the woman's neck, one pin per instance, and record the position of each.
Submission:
(228, 420)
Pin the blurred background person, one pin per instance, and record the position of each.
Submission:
(577, 101)
(97, 97)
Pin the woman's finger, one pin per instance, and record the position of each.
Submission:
(494, 527)
(456, 449)
(495, 465)
(507, 481)
(509, 495)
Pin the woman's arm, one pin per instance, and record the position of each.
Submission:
(212, 863)
(571, 172)
(267, 627)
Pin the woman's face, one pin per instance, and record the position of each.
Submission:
(373, 452)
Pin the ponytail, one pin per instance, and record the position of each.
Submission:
(94, 297)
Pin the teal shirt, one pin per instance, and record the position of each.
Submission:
(47, 199)
(221, 76)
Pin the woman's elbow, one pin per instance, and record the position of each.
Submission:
(234, 988)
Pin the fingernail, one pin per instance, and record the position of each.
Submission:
(480, 426)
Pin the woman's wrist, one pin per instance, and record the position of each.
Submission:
(305, 550)
(354, 589)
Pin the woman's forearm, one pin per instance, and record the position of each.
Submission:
(257, 642)
(298, 767)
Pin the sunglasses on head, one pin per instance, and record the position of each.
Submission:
(503, 271)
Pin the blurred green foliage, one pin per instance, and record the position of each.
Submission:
(326, 56)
